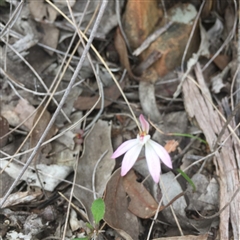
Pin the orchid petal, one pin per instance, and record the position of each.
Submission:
(153, 162)
(130, 158)
(162, 153)
(124, 147)
(144, 124)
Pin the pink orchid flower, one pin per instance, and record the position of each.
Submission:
(154, 152)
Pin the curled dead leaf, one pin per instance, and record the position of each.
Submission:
(142, 203)
(117, 214)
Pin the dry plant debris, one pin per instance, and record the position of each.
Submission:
(74, 78)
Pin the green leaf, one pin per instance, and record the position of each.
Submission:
(189, 136)
(187, 178)
(98, 210)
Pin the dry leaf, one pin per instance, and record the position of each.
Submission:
(174, 122)
(173, 42)
(41, 126)
(171, 146)
(108, 21)
(67, 139)
(50, 37)
(68, 106)
(21, 198)
(5, 181)
(148, 101)
(50, 175)
(117, 214)
(96, 143)
(4, 128)
(206, 196)
(221, 60)
(24, 109)
(42, 11)
(142, 204)
(170, 190)
(86, 103)
(139, 19)
(36, 134)
(121, 48)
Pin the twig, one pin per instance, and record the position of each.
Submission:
(151, 38)
(11, 21)
(94, 174)
(191, 34)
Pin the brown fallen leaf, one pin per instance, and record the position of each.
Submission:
(39, 129)
(117, 214)
(86, 103)
(221, 61)
(142, 69)
(173, 42)
(139, 20)
(142, 203)
(171, 145)
(41, 126)
(121, 48)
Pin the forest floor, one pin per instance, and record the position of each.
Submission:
(78, 79)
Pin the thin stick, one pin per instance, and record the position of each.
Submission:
(11, 21)
(94, 174)
(191, 34)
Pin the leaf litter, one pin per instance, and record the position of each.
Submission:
(184, 81)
